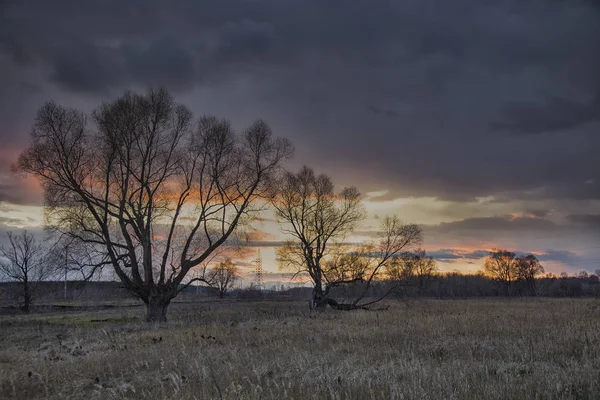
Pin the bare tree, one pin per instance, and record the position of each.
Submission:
(24, 261)
(528, 269)
(148, 192)
(369, 264)
(319, 220)
(416, 268)
(223, 276)
(501, 265)
(583, 275)
(316, 217)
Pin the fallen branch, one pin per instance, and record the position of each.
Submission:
(350, 307)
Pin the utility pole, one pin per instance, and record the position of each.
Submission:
(66, 269)
(258, 272)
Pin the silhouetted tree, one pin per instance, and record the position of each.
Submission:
(415, 267)
(223, 276)
(24, 261)
(501, 265)
(400, 268)
(319, 219)
(368, 265)
(150, 193)
(528, 269)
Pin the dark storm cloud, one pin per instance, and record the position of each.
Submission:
(457, 255)
(586, 220)
(556, 114)
(562, 256)
(380, 111)
(7, 193)
(100, 35)
(412, 96)
(92, 69)
(499, 224)
(97, 68)
(539, 213)
(14, 191)
(96, 46)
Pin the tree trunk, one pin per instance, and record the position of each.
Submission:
(26, 302)
(319, 298)
(157, 309)
(26, 298)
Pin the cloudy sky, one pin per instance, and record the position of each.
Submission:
(478, 119)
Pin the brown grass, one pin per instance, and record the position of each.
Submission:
(471, 349)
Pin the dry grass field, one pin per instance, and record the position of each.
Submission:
(462, 349)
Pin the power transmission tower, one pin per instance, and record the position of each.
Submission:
(258, 272)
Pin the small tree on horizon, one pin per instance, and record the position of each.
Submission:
(223, 277)
(528, 269)
(414, 267)
(24, 261)
(501, 265)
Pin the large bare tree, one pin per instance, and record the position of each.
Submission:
(319, 219)
(24, 261)
(151, 192)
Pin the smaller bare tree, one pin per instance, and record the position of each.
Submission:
(416, 268)
(223, 276)
(316, 218)
(528, 268)
(501, 265)
(24, 261)
(368, 265)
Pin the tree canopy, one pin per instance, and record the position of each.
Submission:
(146, 189)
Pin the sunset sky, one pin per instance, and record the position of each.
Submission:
(479, 120)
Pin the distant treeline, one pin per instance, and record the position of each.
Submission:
(458, 285)
(441, 286)
(447, 286)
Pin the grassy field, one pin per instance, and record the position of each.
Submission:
(462, 349)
